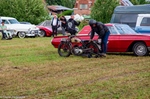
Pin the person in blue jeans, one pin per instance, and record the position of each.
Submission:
(103, 33)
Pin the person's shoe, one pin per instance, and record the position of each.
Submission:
(103, 54)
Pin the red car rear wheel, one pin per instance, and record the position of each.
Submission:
(140, 49)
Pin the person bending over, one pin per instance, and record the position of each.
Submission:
(103, 33)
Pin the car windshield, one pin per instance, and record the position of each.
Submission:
(40, 23)
(112, 30)
(13, 21)
(124, 29)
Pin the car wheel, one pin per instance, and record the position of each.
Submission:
(21, 35)
(140, 49)
(42, 33)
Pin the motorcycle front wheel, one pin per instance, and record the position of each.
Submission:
(64, 49)
(94, 49)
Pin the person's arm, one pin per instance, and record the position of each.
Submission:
(58, 23)
(76, 23)
(52, 22)
(92, 34)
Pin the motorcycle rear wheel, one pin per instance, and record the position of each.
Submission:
(64, 49)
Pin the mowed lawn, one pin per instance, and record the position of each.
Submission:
(31, 68)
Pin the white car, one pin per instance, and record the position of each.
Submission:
(20, 30)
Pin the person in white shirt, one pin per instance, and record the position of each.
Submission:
(55, 25)
(3, 29)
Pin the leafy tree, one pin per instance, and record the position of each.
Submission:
(67, 3)
(68, 12)
(32, 11)
(82, 24)
(53, 2)
(103, 9)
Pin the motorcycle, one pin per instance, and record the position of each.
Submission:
(75, 46)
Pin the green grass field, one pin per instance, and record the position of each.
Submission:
(31, 68)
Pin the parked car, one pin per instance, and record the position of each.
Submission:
(21, 30)
(25, 22)
(129, 14)
(45, 31)
(122, 39)
(47, 25)
(143, 24)
(137, 17)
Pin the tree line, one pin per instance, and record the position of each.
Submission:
(66, 3)
(35, 11)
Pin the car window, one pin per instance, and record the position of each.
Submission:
(13, 21)
(145, 22)
(40, 23)
(124, 29)
(44, 23)
(129, 19)
(120, 30)
(112, 30)
(5, 21)
(48, 23)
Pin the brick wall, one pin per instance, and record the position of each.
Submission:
(82, 12)
(79, 10)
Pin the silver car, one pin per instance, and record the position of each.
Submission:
(47, 23)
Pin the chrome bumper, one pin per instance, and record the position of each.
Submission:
(33, 31)
(30, 35)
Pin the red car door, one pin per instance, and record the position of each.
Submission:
(126, 37)
(113, 43)
(113, 40)
(125, 42)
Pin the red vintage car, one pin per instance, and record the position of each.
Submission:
(121, 39)
(44, 31)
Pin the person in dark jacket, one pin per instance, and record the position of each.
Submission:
(103, 33)
(55, 25)
(63, 24)
(71, 25)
